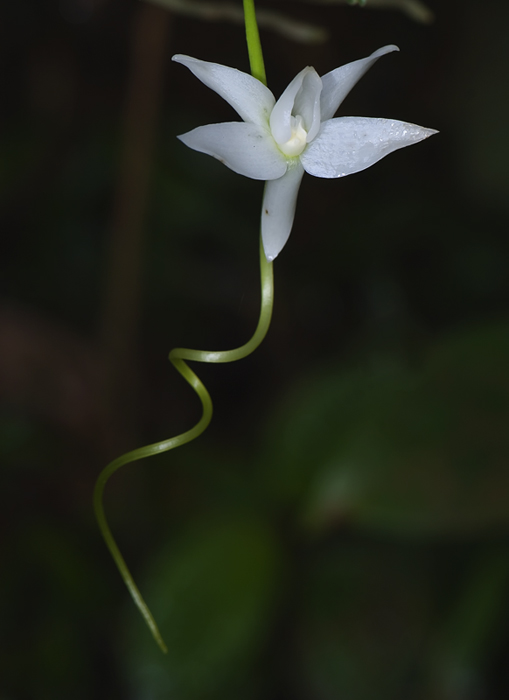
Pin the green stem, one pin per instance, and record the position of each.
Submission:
(177, 357)
(254, 46)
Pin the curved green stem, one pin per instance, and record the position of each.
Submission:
(177, 357)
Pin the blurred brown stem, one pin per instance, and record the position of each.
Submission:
(123, 285)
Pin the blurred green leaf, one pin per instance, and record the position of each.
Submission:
(421, 450)
(212, 592)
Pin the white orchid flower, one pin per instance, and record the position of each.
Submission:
(278, 141)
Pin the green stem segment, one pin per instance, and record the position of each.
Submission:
(254, 46)
(177, 357)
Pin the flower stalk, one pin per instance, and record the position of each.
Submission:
(254, 47)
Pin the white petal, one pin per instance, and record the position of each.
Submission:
(248, 149)
(307, 103)
(349, 144)
(250, 98)
(278, 209)
(304, 92)
(338, 83)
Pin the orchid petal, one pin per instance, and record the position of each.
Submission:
(278, 209)
(347, 145)
(307, 103)
(304, 91)
(250, 98)
(338, 83)
(247, 149)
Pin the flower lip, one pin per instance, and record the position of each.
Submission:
(298, 139)
(301, 98)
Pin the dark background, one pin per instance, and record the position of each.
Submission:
(340, 531)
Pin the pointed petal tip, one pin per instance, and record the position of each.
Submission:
(271, 250)
(385, 49)
(417, 133)
(185, 60)
(425, 133)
